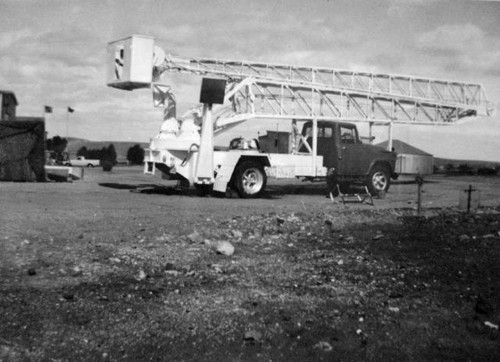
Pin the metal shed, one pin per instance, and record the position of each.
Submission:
(411, 160)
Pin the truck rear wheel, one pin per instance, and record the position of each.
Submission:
(250, 179)
(378, 180)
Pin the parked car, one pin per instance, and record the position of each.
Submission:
(81, 161)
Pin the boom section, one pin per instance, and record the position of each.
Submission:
(396, 97)
(257, 89)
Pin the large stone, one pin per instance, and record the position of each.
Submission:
(252, 335)
(463, 237)
(323, 346)
(224, 247)
(237, 234)
(195, 237)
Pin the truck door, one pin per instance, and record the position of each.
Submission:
(349, 144)
(326, 143)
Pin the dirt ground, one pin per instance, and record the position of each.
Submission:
(123, 267)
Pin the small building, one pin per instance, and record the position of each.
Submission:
(411, 160)
(8, 104)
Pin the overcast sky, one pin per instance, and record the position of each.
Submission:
(53, 52)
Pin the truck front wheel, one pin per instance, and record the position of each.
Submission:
(378, 180)
(250, 179)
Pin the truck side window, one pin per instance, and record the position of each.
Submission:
(328, 132)
(347, 135)
(325, 132)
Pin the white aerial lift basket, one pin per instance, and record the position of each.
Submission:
(130, 63)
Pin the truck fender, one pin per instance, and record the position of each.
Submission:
(223, 176)
(264, 160)
(382, 163)
(226, 175)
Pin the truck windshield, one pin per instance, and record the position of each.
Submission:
(323, 132)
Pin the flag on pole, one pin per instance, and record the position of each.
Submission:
(70, 110)
(48, 109)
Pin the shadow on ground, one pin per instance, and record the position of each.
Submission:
(272, 191)
(150, 189)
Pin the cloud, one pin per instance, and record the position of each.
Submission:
(69, 46)
(176, 36)
(454, 38)
(8, 39)
(406, 7)
(259, 37)
(462, 48)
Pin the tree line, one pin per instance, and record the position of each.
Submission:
(107, 155)
(135, 154)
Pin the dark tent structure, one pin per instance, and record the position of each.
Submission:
(8, 104)
(22, 149)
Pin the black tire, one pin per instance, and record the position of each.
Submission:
(379, 179)
(250, 179)
(345, 188)
(331, 182)
(90, 165)
(333, 185)
(67, 164)
(203, 189)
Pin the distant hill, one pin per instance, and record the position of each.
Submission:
(74, 144)
(403, 147)
(441, 162)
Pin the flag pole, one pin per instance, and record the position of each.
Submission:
(68, 111)
(46, 110)
(45, 125)
(67, 117)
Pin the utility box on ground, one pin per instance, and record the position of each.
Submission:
(411, 160)
(22, 149)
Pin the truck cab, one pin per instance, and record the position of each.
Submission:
(348, 160)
